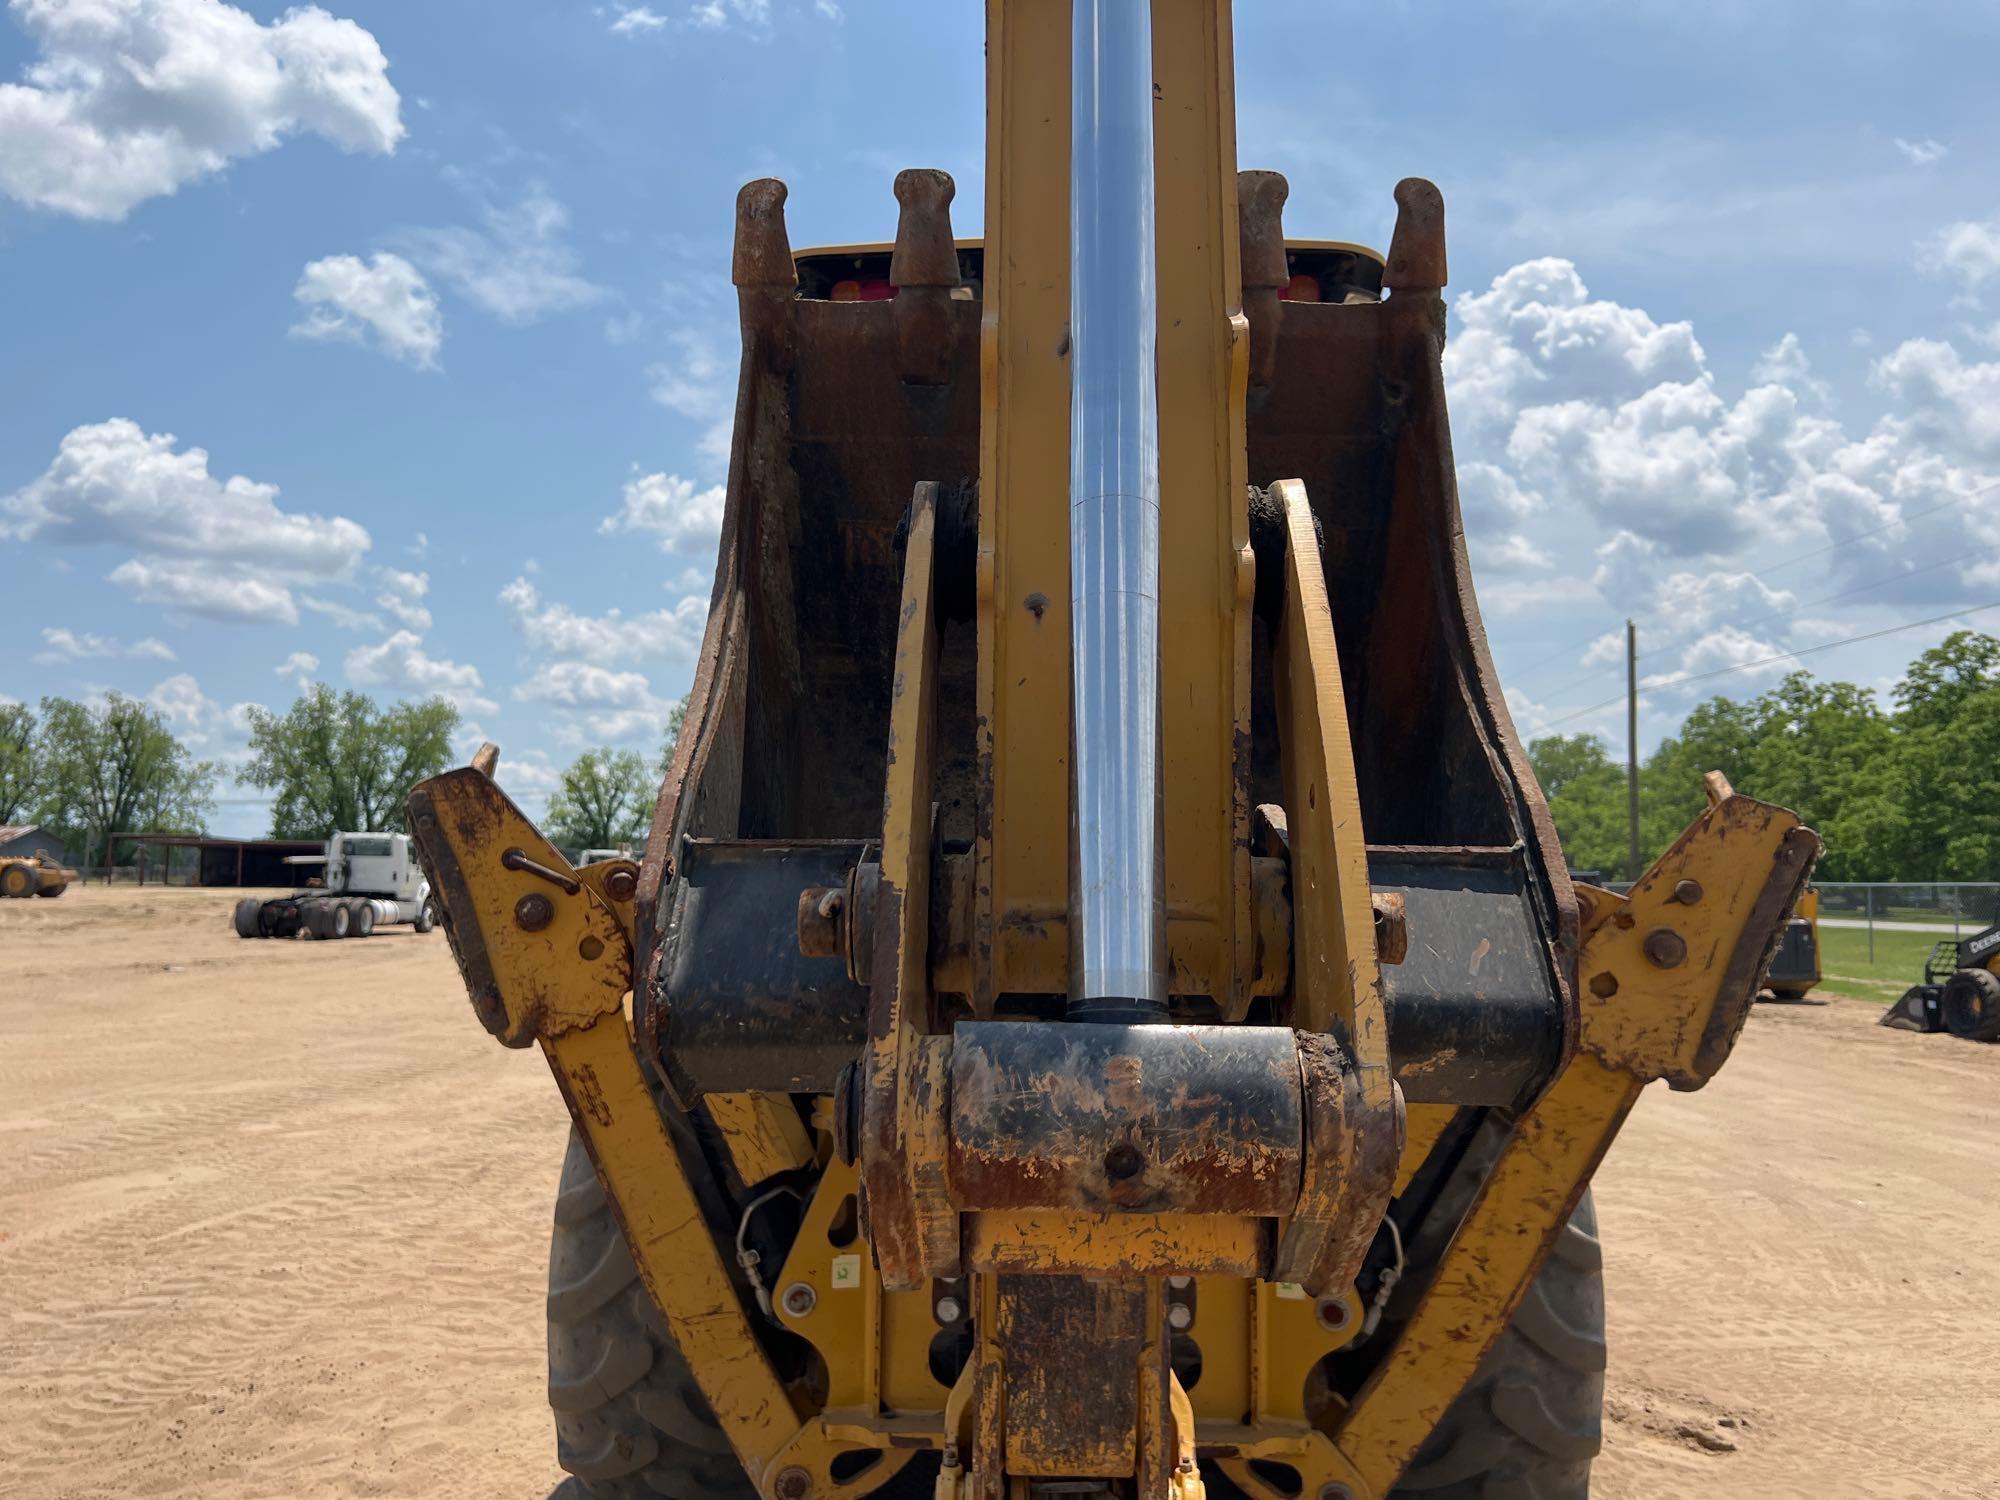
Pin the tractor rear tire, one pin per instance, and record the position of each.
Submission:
(1971, 1005)
(1531, 1419)
(249, 917)
(17, 880)
(630, 1422)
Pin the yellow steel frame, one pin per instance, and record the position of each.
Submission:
(1720, 892)
(563, 982)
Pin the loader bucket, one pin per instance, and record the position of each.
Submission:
(1920, 1009)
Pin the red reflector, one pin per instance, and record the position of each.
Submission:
(861, 291)
(1300, 289)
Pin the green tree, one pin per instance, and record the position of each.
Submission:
(18, 781)
(115, 767)
(1586, 793)
(341, 764)
(602, 800)
(1939, 682)
(674, 722)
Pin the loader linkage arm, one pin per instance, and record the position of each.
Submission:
(1668, 973)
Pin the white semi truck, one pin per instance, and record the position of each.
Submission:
(372, 880)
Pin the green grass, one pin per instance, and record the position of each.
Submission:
(1898, 963)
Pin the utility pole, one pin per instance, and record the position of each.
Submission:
(1632, 748)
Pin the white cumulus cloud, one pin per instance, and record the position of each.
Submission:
(1969, 250)
(61, 644)
(401, 664)
(403, 595)
(604, 704)
(216, 547)
(753, 16)
(383, 301)
(670, 508)
(343, 616)
(633, 19)
(520, 267)
(673, 634)
(300, 669)
(1923, 153)
(193, 589)
(1585, 425)
(132, 99)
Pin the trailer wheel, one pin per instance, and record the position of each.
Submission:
(249, 917)
(363, 924)
(426, 917)
(1531, 1419)
(1972, 1005)
(337, 921)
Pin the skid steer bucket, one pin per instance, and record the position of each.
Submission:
(1102, 1007)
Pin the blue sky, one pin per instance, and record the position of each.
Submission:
(391, 344)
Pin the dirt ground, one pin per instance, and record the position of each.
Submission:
(275, 1217)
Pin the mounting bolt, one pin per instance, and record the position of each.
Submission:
(622, 884)
(798, 1300)
(1333, 1314)
(1604, 984)
(1666, 948)
(793, 1484)
(533, 912)
(948, 1309)
(1687, 892)
(1180, 1317)
(1335, 1490)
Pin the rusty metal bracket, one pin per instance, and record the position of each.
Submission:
(1657, 1010)
(546, 955)
(906, 1206)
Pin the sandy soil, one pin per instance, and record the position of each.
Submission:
(276, 1217)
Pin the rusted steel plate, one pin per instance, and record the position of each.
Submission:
(1140, 1119)
(1069, 1416)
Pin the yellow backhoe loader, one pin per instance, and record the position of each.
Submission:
(1102, 1008)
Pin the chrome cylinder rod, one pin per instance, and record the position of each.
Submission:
(1117, 876)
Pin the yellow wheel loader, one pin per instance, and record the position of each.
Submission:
(1102, 1009)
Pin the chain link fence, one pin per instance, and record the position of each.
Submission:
(1951, 907)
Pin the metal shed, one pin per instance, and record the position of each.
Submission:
(218, 861)
(33, 838)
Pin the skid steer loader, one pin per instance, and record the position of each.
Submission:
(1102, 1008)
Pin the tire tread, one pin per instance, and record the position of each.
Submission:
(1529, 1422)
(630, 1422)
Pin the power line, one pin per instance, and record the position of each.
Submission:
(1862, 588)
(1789, 562)
(1876, 530)
(1747, 666)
